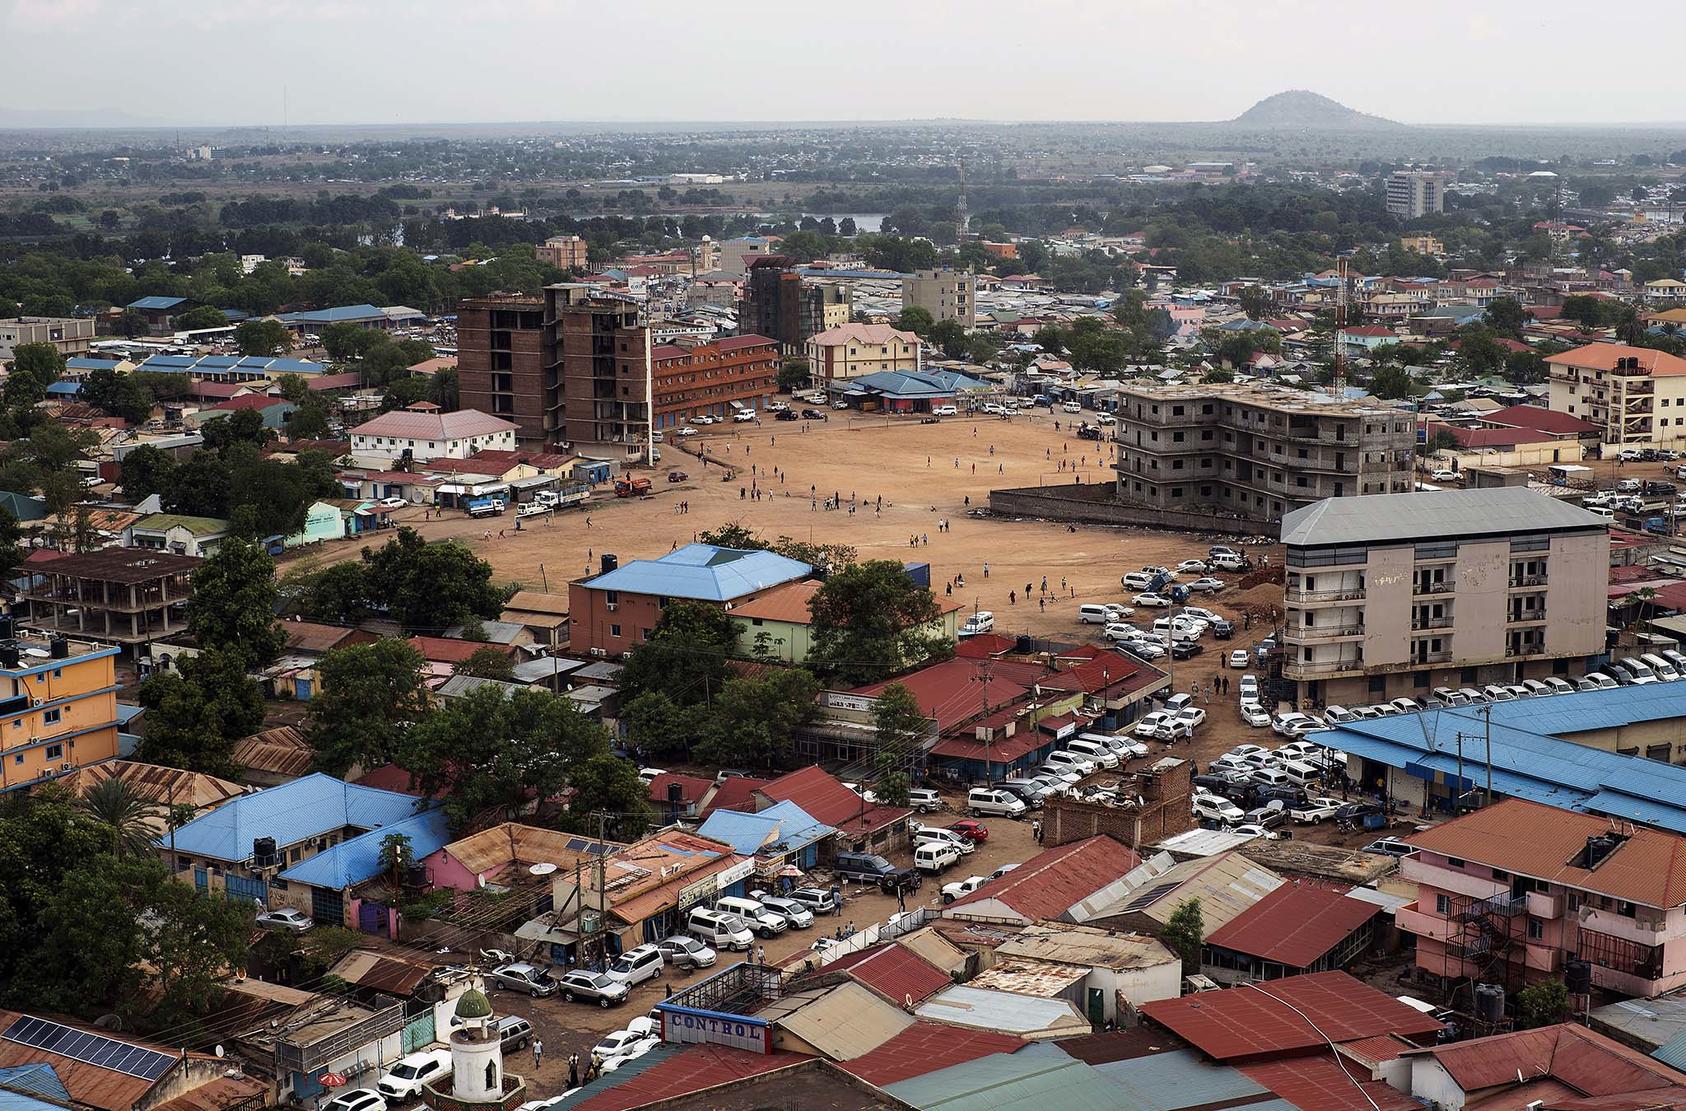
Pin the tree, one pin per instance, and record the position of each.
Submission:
(195, 714)
(610, 785)
(243, 426)
(1584, 310)
(657, 726)
(309, 421)
(1526, 368)
(10, 554)
(349, 341)
(89, 944)
(1184, 933)
(431, 586)
(125, 812)
(199, 318)
(1480, 351)
(487, 663)
(194, 940)
(752, 722)
(369, 692)
(793, 374)
(232, 608)
(396, 855)
(497, 756)
(1506, 316)
(35, 366)
(130, 324)
(899, 726)
(118, 395)
(338, 595)
(686, 655)
(870, 621)
(1542, 1004)
(1390, 382)
(1255, 302)
(262, 338)
(950, 336)
(917, 320)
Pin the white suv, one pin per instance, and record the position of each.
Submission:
(405, 1079)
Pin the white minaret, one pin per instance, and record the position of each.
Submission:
(476, 1052)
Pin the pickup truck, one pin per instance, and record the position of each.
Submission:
(1314, 811)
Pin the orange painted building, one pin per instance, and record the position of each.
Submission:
(58, 709)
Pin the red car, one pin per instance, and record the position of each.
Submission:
(972, 830)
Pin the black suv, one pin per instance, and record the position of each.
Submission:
(1185, 649)
(812, 414)
(902, 879)
(787, 414)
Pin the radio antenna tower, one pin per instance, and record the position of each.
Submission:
(962, 220)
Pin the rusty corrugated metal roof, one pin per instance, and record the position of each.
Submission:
(1318, 1083)
(1295, 924)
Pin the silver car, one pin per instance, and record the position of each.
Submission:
(523, 976)
(794, 912)
(686, 952)
(293, 921)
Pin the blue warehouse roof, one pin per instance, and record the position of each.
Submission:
(1531, 757)
(925, 383)
(340, 314)
(703, 572)
(252, 366)
(356, 859)
(290, 813)
(783, 828)
(156, 304)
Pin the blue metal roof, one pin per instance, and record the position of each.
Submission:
(356, 859)
(905, 383)
(1035, 1078)
(703, 572)
(157, 303)
(40, 1079)
(336, 315)
(83, 362)
(1531, 758)
(225, 364)
(1178, 1079)
(65, 389)
(290, 813)
(782, 828)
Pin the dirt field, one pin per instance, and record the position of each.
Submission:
(797, 466)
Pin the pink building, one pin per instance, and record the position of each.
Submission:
(506, 851)
(1510, 893)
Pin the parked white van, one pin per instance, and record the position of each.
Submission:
(934, 856)
(980, 622)
(994, 800)
(1101, 753)
(1300, 773)
(761, 919)
(1661, 667)
(1093, 615)
(636, 965)
(719, 929)
(1637, 670)
(937, 835)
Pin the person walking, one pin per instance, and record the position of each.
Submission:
(573, 1071)
(538, 1053)
(1012, 598)
(761, 954)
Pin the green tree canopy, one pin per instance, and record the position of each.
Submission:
(233, 604)
(608, 785)
(487, 663)
(431, 587)
(686, 655)
(1184, 933)
(751, 723)
(195, 714)
(369, 694)
(870, 621)
(262, 338)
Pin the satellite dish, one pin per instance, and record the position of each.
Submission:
(218, 1050)
(37, 653)
(544, 869)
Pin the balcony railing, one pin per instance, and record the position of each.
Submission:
(1442, 586)
(1353, 594)
(1322, 667)
(1504, 905)
(1431, 623)
(1526, 617)
(1513, 650)
(1442, 657)
(1324, 632)
(1519, 581)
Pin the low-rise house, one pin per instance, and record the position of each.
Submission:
(781, 835)
(1116, 973)
(1299, 927)
(1552, 1066)
(424, 432)
(1061, 884)
(544, 616)
(58, 708)
(470, 863)
(178, 533)
(860, 826)
(273, 757)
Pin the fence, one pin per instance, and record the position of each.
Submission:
(1097, 503)
(899, 924)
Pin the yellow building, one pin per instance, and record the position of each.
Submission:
(58, 708)
(1423, 245)
(778, 624)
(851, 350)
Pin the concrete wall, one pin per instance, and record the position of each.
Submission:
(1096, 503)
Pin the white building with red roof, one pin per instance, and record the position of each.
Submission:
(424, 432)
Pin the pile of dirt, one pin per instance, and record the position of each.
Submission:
(1261, 575)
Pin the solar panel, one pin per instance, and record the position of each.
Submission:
(90, 1048)
(1150, 896)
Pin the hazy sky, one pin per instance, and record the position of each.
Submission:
(390, 61)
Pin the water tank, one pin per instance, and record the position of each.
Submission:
(675, 793)
(590, 921)
(59, 648)
(610, 562)
(1489, 1003)
(10, 657)
(1577, 977)
(8, 628)
(263, 852)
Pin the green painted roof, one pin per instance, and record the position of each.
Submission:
(198, 526)
(473, 1004)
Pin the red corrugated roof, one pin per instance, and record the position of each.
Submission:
(1384, 1047)
(738, 343)
(822, 795)
(1003, 750)
(1295, 924)
(1588, 1062)
(1319, 1083)
(734, 794)
(451, 650)
(693, 787)
(1256, 1019)
(1496, 437)
(926, 1047)
(250, 401)
(686, 1072)
(953, 691)
(984, 646)
(895, 972)
(1051, 883)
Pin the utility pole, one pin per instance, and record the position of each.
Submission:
(989, 744)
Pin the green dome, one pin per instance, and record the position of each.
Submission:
(473, 1004)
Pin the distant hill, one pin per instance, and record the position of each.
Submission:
(1299, 109)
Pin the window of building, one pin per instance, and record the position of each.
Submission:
(55, 752)
(51, 717)
(1443, 905)
(614, 630)
(611, 596)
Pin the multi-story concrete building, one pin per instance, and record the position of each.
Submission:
(118, 595)
(1636, 395)
(780, 304)
(946, 294)
(1254, 452)
(58, 707)
(575, 368)
(565, 252)
(1512, 892)
(1415, 193)
(1392, 596)
(851, 350)
(70, 335)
